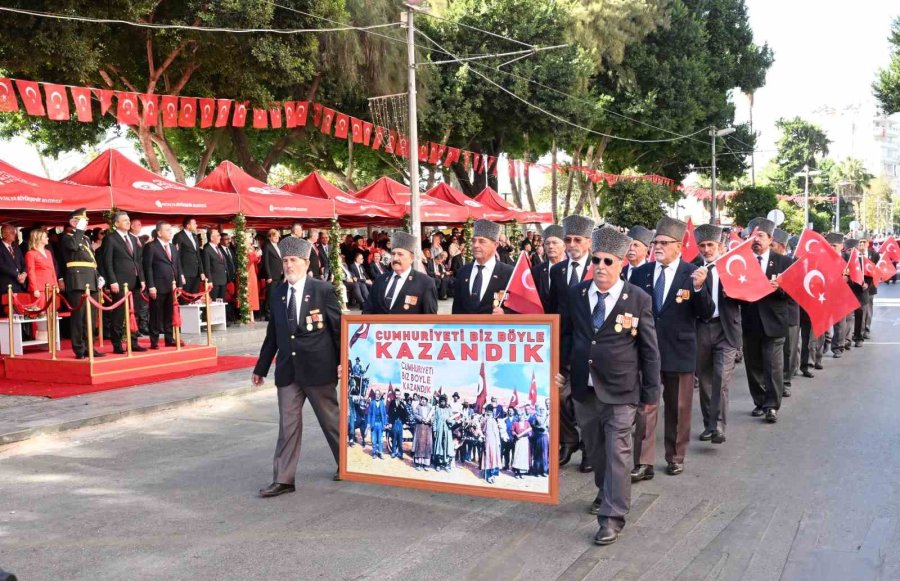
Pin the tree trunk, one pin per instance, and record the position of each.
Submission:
(207, 154)
(278, 148)
(245, 156)
(554, 191)
(528, 193)
(589, 185)
(514, 185)
(570, 181)
(348, 177)
(465, 183)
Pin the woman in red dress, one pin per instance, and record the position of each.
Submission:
(39, 265)
(253, 258)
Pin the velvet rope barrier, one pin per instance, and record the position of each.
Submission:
(111, 307)
(28, 308)
(69, 305)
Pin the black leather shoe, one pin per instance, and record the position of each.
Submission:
(337, 476)
(173, 344)
(137, 348)
(808, 373)
(642, 472)
(757, 412)
(674, 468)
(565, 454)
(718, 437)
(706, 436)
(819, 366)
(117, 349)
(585, 466)
(154, 346)
(595, 507)
(79, 356)
(99, 354)
(606, 536)
(276, 489)
(771, 416)
(786, 392)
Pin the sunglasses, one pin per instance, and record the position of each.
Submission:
(595, 260)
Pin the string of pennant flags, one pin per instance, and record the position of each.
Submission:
(150, 109)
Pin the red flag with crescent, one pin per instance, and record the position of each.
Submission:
(127, 108)
(885, 270)
(532, 391)
(367, 129)
(521, 294)
(740, 274)
(379, 137)
(341, 125)
(105, 96)
(170, 110)
(301, 111)
(818, 287)
(870, 271)
(734, 239)
(275, 116)
(30, 93)
(207, 112)
(361, 333)
(854, 267)
(452, 156)
(57, 102)
(289, 111)
(514, 400)
(481, 395)
(356, 128)
(327, 119)
(890, 249)
(81, 96)
(239, 119)
(8, 101)
(187, 116)
(223, 108)
(689, 250)
(150, 109)
(260, 119)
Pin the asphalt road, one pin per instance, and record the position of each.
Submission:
(172, 495)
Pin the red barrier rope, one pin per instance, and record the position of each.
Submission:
(69, 306)
(30, 309)
(132, 319)
(191, 296)
(111, 307)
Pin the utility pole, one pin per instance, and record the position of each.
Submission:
(805, 174)
(415, 223)
(714, 133)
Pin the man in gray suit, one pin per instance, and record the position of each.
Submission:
(780, 240)
(718, 340)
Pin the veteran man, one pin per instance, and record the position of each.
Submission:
(480, 285)
(554, 250)
(81, 272)
(639, 251)
(303, 336)
(402, 291)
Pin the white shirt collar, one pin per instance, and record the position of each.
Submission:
(612, 294)
(765, 259)
(672, 266)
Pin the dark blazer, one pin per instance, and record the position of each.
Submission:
(215, 265)
(306, 357)
(624, 368)
(416, 285)
(10, 268)
(230, 264)
(375, 270)
(120, 266)
(629, 269)
(76, 247)
(769, 315)
(559, 284)
(462, 301)
(272, 264)
(191, 259)
(457, 263)
(159, 271)
(676, 321)
(358, 271)
(318, 261)
(729, 314)
(540, 273)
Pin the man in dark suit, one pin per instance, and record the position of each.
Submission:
(360, 273)
(303, 336)
(141, 307)
(162, 271)
(376, 268)
(480, 284)
(189, 253)
(81, 272)
(861, 291)
(554, 251)
(122, 264)
(718, 340)
(639, 250)
(215, 265)
(319, 261)
(680, 299)
(12, 263)
(228, 250)
(765, 325)
(613, 365)
(271, 265)
(780, 241)
(564, 275)
(402, 290)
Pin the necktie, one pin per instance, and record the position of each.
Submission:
(573, 279)
(659, 290)
(476, 284)
(759, 260)
(11, 251)
(292, 309)
(128, 244)
(168, 252)
(599, 312)
(389, 297)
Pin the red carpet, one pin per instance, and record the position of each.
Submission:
(67, 389)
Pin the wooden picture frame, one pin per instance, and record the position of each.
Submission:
(546, 327)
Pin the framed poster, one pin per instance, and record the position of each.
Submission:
(463, 404)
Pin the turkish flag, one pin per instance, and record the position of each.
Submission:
(105, 96)
(57, 102)
(391, 142)
(327, 120)
(452, 156)
(689, 250)
(8, 101)
(289, 120)
(870, 271)
(481, 395)
(301, 111)
(82, 99)
(532, 391)
(402, 146)
(187, 116)
(223, 108)
(734, 240)
(492, 164)
(514, 400)
(740, 274)
(521, 293)
(435, 151)
(423, 152)
(150, 106)
(379, 137)
(467, 160)
(356, 129)
(169, 109)
(317, 113)
(30, 93)
(820, 290)
(885, 270)
(207, 112)
(127, 108)
(240, 115)
(275, 116)
(478, 161)
(890, 249)
(260, 119)
(854, 268)
(367, 133)
(341, 126)
(813, 245)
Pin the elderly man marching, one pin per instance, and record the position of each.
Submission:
(402, 291)
(613, 361)
(480, 285)
(680, 299)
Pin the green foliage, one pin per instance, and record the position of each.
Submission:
(887, 85)
(793, 218)
(752, 202)
(468, 232)
(628, 203)
(335, 235)
(240, 261)
(801, 144)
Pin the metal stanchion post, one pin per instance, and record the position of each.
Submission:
(208, 316)
(10, 310)
(53, 292)
(90, 324)
(48, 314)
(127, 321)
(176, 330)
(100, 317)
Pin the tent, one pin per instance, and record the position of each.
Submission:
(349, 209)
(444, 192)
(25, 196)
(431, 210)
(135, 189)
(493, 200)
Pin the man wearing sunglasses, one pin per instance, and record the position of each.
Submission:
(613, 365)
(680, 299)
(563, 276)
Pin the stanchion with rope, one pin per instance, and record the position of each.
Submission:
(54, 315)
(208, 315)
(49, 314)
(10, 310)
(127, 319)
(176, 329)
(90, 325)
(100, 317)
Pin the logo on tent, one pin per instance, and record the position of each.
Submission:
(150, 187)
(346, 200)
(267, 191)
(472, 203)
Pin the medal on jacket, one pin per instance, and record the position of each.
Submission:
(498, 297)
(634, 326)
(619, 321)
(409, 301)
(315, 316)
(683, 295)
(309, 322)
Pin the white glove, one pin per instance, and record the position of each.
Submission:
(82, 224)
(100, 282)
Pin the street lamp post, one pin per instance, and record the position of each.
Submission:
(714, 133)
(805, 174)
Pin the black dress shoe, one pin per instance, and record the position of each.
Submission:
(718, 437)
(137, 348)
(337, 476)
(771, 416)
(79, 356)
(808, 373)
(595, 507)
(642, 472)
(117, 349)
(585, 466)
(757, 412)
(674, 468)
(706, 435)
(276, 489)
(606, 536)
(819, 366)
(786, 392)
(172, 344)
(154, 345)
(565, 454)
(99, 354)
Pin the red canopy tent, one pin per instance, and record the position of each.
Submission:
(260, 200)
(432, 210)
(444, 192)
(492, 199)
(349, 209)
(25, 196)
(135, 189)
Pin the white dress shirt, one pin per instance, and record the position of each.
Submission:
(765, 260)
(486, 274)
(403, 276)
(670, 276)
(582, 264)
(632, 267)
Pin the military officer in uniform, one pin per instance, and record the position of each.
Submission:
(402, 291)
(81, 272)
(480, 285)
(613, 361)
(303, 336)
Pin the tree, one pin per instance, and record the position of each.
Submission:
(801, 144)
(887, 86)
(628, 203)
(751, 202)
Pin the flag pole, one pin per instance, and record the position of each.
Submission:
(509, 282)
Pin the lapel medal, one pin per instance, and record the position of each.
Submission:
(626, 321)
(409, 301)
(498, 296)
(634, 326)
(309, 323)
(619, 320)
